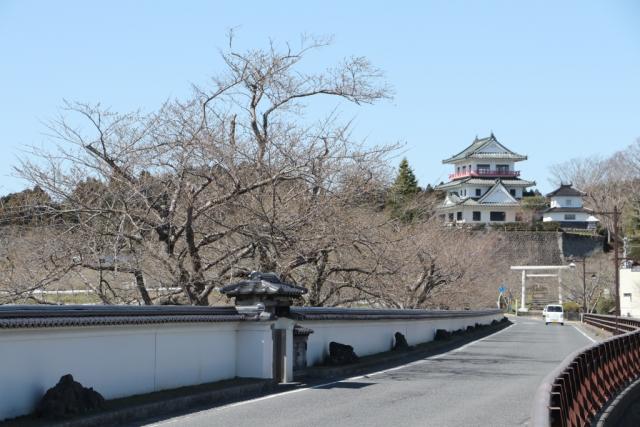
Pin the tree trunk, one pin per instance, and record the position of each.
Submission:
(142, 288)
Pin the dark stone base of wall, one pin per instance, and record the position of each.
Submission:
(159, 404)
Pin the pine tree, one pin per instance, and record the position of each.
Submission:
(405, 183)
(404, 188)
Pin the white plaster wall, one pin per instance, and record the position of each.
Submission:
(511, 214)
(467, 214)
(559, 216)
(376, 336)
(120, 361)
(469, 190)
(561, 202)
(630, 284)
(254, 350)
(116, 361)
(199, 354)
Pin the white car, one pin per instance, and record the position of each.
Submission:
(553, 313)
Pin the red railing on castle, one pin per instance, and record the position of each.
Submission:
(485, 173)
(588, 379)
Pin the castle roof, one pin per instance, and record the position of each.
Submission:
(498, 195)
(566, 190)
(485, 181)
(485, 148)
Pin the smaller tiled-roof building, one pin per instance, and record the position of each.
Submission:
(566, 207)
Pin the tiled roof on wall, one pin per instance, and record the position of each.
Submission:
(36, 316)
(335, 313)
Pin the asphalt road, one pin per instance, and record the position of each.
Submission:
(489, 382)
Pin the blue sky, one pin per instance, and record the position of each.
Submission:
(553, 80)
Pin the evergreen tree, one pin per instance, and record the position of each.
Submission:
(406, 183)
(404, 188)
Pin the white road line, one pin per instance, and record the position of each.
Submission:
(583, 333)
(285, 393)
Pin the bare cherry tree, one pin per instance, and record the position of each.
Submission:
(203, 190)
(608, 181)
(596, 283)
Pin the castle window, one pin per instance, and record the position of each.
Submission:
(459, 216)
(478, 192)
(512, 192)
(497, 216)
(451, 217)
(568, 202)
(477, 216)
(569, 217)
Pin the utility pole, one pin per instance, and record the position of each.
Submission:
(584, 284)
(616, 255)
(616, 258)
(583, 260)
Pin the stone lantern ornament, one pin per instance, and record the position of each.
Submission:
(264, 292)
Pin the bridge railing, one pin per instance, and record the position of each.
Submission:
(577, 390)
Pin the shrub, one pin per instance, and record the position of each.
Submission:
(605, 305)
(550, 226)
(571, 306)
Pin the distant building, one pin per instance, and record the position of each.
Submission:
(630, 292)
(484, 187)
(566, 207)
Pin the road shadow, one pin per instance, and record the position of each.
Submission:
(345, 385)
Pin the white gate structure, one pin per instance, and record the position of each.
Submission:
(543, 272)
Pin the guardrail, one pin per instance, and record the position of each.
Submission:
(575, 392)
